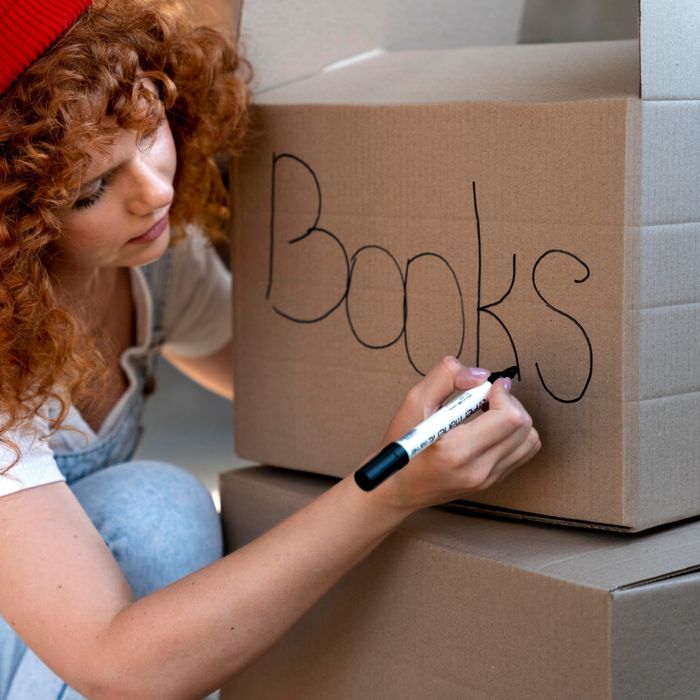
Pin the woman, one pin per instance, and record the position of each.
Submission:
(111, 581)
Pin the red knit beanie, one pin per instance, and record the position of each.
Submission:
(28, 28)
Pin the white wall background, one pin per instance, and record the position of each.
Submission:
(578, 20)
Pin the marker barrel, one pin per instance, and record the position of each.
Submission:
(443, 420)
(388, 461)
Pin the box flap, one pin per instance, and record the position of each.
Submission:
(648, 582)
(595, 560)
(636, 560)
(286, 41)
(670, 50)
(524, 73)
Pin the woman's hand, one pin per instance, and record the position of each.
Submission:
(472, 456)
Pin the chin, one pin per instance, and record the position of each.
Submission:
(150, 252)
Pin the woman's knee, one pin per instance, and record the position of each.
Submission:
(158, 520)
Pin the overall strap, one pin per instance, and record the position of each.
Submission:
(158, 279)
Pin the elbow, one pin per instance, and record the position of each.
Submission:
(120, 689)
(110, 679)
(132, 681)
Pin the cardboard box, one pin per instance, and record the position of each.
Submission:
(516, 204)
(461, 608)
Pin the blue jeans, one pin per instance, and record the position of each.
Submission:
(160, 524)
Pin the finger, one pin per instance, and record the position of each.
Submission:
(514, 414)
(516, 459)
(521, 454)
(448, 376)
(503, 382)
(484, 464)
(488, 430)
(500, 397)
(490, 438)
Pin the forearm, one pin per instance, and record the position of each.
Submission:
(205, 628)
(214, 373)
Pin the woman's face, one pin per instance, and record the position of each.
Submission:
(121, 216)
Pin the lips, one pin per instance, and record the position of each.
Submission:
(154, 232)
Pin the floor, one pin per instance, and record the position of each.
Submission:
(191, 427)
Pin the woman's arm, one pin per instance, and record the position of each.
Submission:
(214, 372)
(64, 593)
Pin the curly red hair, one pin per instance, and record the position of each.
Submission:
(51, 119)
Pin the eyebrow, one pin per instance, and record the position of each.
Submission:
(106, 174)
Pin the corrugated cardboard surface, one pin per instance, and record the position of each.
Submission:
(669, 32)
(669, 331)
(656, 639)
(458, 607)
(368, 262)
(398, 184)
(632, 285)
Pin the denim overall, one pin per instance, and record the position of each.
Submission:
(158, 520)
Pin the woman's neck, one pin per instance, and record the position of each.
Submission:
(88, 293)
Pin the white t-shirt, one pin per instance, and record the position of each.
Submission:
(196, 323)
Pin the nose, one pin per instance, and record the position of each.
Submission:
(152, 189)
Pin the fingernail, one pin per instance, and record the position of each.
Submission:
(507, 383)
(478, 372)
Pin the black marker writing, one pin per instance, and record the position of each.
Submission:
(565, 315)
(486, 308)
(352, 262)
(311, 231)
(353, 266)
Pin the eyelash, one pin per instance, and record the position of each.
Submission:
(89, 200)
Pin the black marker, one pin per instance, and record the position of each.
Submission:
(397, 454)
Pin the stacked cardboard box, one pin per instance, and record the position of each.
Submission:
(505, 204)
(464, 608)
